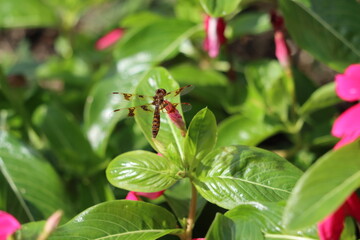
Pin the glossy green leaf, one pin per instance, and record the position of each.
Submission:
(242, 129)
(30, 13)
(219, 8)
(143, 48)
(201, 137)
(323, 97)
(168, 133)
(331, 35)
(233, 175)
(35, 183)
(324, 187)
(142, 171)
(68, 142)
(222, 228)
(179, 196)
(122, 219)
(256, 220)
(250, 23)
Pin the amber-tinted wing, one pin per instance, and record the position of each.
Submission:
(180, 91)
(131, 97)
(131, 111)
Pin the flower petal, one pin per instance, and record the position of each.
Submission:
(331, 227)
(348, 84)
(8, 225)
(347, 124)
(214, 30)
(353, 204)
(132, 196)
(152, 195)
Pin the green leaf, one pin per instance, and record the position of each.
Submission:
(208, 82)
(122, 219)
(168, 133)
(219, 8)
(99, 119)
(201, 137)
(179, 196)
(323, 97)
(250, 23)
(233, 175)
(30, 13)
(324, 187)
(148, 46)
(142, 171)
(256, 220)
(30, 231)
(67, 141)
(35, 183)
(242, 129)
(222, 228)
(331, 35)
(268, 80)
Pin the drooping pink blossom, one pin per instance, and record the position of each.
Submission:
(214, 35)
(348, 84)
(109, 39)
(8, 225)
(282, 51)
(198, 239)
(135, 196)
(347, 126)
(332, 226)
(175, 116)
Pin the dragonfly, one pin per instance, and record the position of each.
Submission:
(156, 104)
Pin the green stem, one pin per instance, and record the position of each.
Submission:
(192, 214)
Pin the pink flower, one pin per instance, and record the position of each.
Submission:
(135, 196)
(198, 239)
(175, 116)
(8, 225)
(348, 84)
(347, 126)
(282, 51)
(331, 227)
(109, 39)
(214, 38)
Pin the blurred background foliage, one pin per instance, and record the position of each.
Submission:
(56, 121)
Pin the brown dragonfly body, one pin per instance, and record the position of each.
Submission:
(158, 102)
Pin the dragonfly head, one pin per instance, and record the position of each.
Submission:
(161, 92)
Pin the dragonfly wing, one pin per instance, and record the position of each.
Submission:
(181, 91)
(132, 111)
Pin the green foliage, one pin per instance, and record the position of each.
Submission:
(253, 125)
(331, 35)
(119, 219)
(257, 175)
(316, 195)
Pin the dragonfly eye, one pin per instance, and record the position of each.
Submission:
(161, 91)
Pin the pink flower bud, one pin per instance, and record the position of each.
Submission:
(214, 35)
(109, 39)
(175, 116)
(282, 51)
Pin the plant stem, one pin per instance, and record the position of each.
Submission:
(192, 213)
